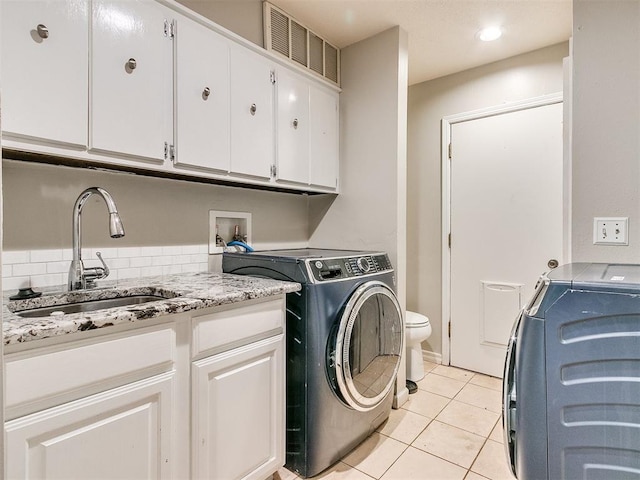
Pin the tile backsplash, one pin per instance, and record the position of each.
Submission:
(47, 268)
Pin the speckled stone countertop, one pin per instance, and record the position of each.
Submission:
(182, 292)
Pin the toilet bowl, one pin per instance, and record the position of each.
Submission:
(418, 330)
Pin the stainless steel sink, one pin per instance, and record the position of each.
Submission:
(88, 306)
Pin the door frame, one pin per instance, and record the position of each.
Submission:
(446, 124)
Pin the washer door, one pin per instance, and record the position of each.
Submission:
(368, 346)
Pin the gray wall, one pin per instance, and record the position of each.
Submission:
(606, 124)
(38, 202)
(243, 17)
(525, 76)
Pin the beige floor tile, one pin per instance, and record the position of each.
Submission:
(497, 433)
(492, 462)
(415, 464)
(445, 386)
(428, 366)
(450, 443)
(487, 382)
(474, 476)
(452, 372)
(284, 474)
(404, 425)
(467, 417)
(342, 471)
(375, 455)
(425, 403)
(481, 397)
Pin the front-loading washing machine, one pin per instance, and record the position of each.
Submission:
(344, 343)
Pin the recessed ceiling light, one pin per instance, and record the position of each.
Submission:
(489, 34)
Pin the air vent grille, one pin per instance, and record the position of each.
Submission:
(279, 32)
(299, 43)
(295, 41)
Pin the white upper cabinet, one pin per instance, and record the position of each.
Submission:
(307, 148)
(44, 70)
(323, 138)
(293, 128)
(252, 133)
(202, 132)
(131, 78)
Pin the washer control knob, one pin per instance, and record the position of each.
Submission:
(318, 264)
(363, 264)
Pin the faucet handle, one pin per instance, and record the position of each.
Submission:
(105, 269)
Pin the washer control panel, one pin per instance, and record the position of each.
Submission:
(331, 269)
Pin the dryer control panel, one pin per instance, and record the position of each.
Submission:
(332, 269)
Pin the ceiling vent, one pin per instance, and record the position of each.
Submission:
(284, 35)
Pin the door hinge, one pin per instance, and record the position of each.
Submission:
(449, 151)
(169, 152)
(449, 329)
(273, 171)
(449, 240)
(272, 77)
(169, 29)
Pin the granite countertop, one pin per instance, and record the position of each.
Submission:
(183, 292)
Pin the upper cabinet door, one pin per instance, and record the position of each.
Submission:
(323, 138)
(202, 132)
(252, 133)
(293, 128)
(131, 78)
(44, 70)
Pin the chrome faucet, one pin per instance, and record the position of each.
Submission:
(81, 277)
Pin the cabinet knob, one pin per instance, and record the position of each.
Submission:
(253, 109)
(132, 64)
(206, 92)
(43, 31)
(295, 123)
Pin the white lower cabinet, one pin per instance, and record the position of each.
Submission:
(238, 412)
(118, 405)
(120, 433)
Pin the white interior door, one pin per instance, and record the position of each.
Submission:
(506, 220)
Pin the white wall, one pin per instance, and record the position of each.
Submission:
(606, 124)
(530, 75)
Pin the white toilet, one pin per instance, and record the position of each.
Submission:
(418, 329)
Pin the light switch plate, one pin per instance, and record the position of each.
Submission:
(610, 231)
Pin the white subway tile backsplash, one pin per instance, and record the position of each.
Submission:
(48, 280)
(46, 256)
(129, 252)
(26, 269)
(57, 267)
(9, 258)
(49, 267)
(14, 283)
(150, 271)
(140, 262)
(150, 251)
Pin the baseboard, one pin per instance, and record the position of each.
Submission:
(432, 357)
(400, 398)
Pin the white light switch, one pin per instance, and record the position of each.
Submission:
(610, 231)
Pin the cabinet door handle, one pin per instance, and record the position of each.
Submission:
(206, 92)
(295, 123)
(42, 30)
(253, 109)
(132, 64)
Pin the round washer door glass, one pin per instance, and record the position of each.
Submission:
(369, 344)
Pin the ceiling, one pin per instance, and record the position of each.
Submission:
(442, 33)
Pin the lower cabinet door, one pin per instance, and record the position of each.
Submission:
(120, 433)
(238, 412)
